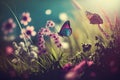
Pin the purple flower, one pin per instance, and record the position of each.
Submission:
(44, 31)
(74, 73)
(67, 66)
(53, 35)
(47, 31)
(8, 26)
(41, 31)
(59, 45)
(56, 40)
(80, 66)
(50, 23)
(90, 63)
(41, 43)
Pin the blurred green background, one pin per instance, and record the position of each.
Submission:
(37, 9)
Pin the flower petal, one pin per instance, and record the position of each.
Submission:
(28, 28)
(25, 23)
(27, 14)
(33, 33)
(32, 28)
(11, 30)
(14, 25)
(29, 19)
(10, 20)
(21, 21)
(21, 36)
(23, 14)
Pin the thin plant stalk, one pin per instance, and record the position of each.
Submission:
(105, 34)
(18, 24)
(108, 20)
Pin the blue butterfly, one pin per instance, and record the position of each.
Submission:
(66, 30)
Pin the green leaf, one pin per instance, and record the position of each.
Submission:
(54, 53)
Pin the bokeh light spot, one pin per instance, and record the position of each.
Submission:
(63, 16)
(9, 50)
(48, 11)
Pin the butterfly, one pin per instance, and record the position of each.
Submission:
(94, 18)
(66, 30)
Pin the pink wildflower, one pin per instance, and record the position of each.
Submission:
(50, 23)
(9, 50)
(41, 43)
(89, 63)
(25, 18)
(8, 26)
(41, 31)
(79, 66)
(82, 64)
(77, 70)
(56, 40)
(47, 32)
(28, 32)
(67, 66)
(71, 75)
(44, 31)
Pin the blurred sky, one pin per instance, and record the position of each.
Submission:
(37, 9)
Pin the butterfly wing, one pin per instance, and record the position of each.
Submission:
(66, 29)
